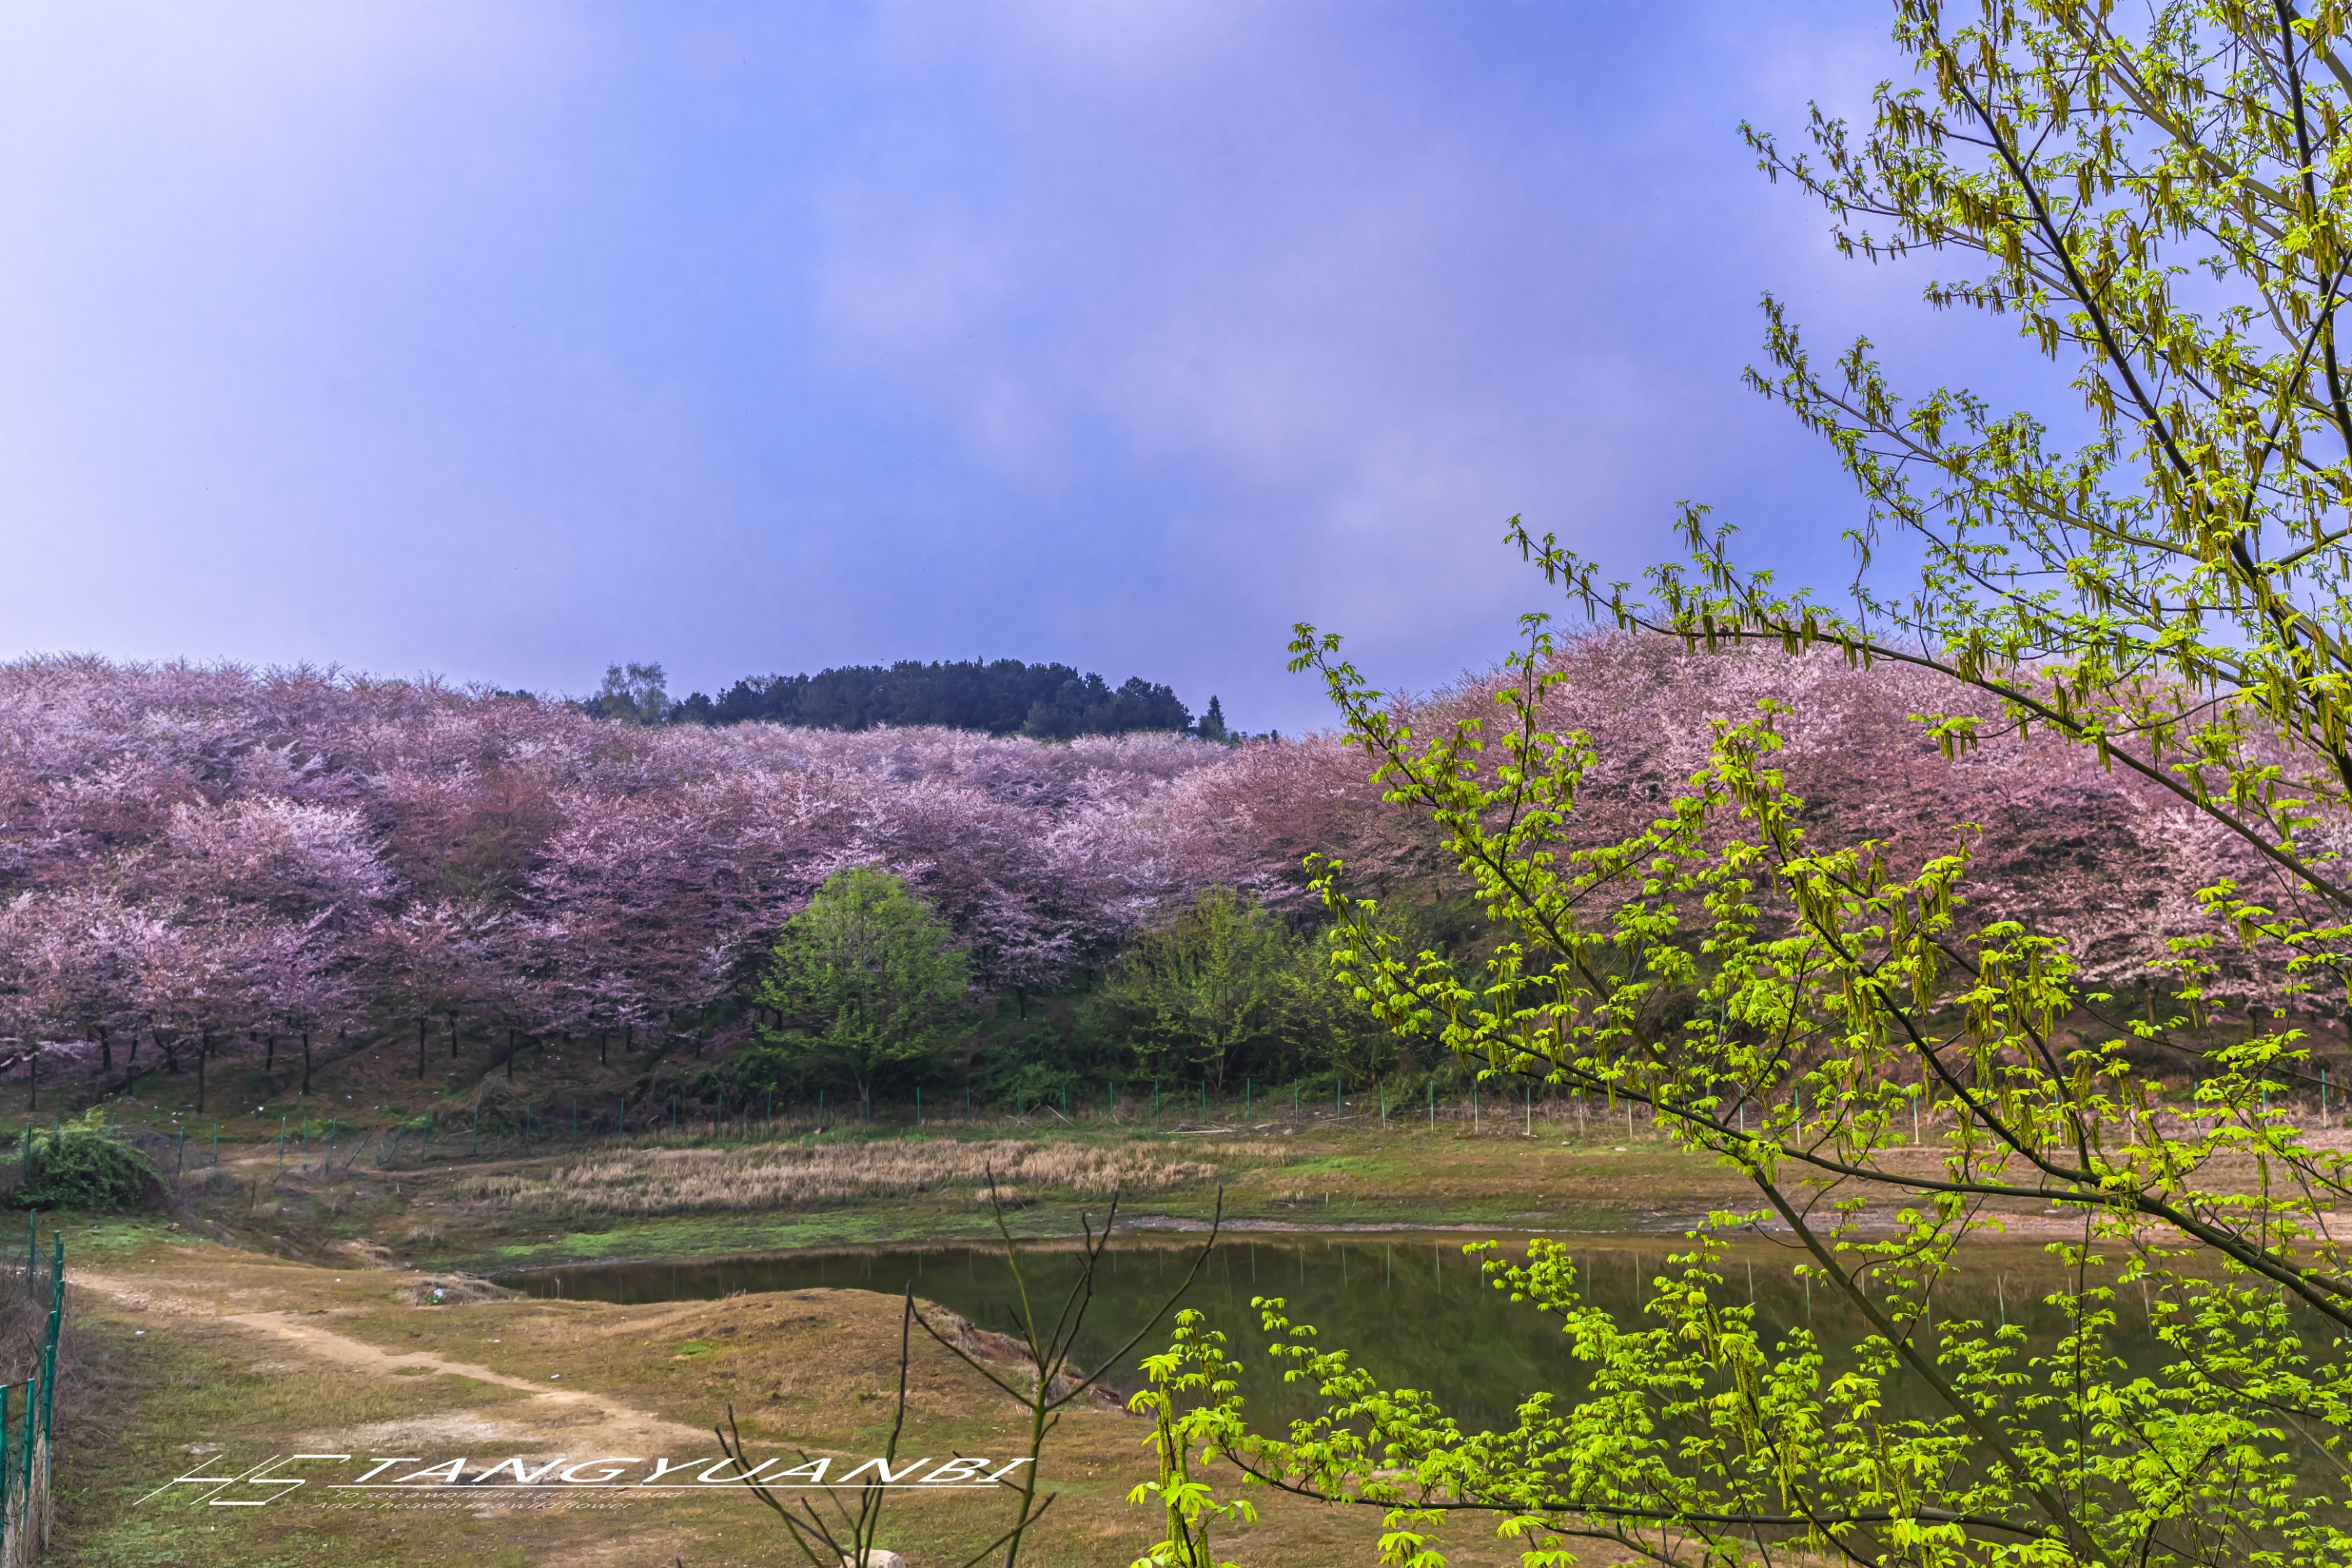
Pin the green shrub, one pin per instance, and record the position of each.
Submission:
(86, 1164)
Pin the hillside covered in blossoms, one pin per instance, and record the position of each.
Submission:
(218, 860)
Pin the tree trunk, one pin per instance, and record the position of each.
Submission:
(33, 1082)
(603, 1038)
(106, 1052)
(1020, 1001)
(269, 1056)
(306, 1062)
(130, 1065)
(420, 1048)
(453, 1036)
(203, 1053)
(171, 1049)
(511, 1049)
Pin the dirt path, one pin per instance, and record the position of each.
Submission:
(574, 1419)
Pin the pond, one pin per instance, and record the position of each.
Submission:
(1411, 1308)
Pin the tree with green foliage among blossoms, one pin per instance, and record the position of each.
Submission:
(633, 693)
(2160, 202)
(869, 986)
(1195, 993)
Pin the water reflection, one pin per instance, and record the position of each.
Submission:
(1413, 1310)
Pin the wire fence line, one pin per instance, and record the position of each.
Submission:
(458, 1135)
(27, 1507)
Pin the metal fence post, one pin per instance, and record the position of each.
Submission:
(24, 1493)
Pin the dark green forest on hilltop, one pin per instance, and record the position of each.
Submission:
(1000, 697)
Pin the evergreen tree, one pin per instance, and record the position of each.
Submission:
(1213, 722)
(1002, 696)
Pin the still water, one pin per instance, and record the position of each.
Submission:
(1412, 1309)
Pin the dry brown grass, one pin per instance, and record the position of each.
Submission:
(814, 1369)
(650, 1182)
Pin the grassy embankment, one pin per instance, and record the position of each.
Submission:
(245, 1354)
(678, 1196)
(476, 1191)
(217, 1360)
(332, 1350)
(322, 1348)
(360, 1162)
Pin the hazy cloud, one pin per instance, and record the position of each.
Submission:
(503, 342)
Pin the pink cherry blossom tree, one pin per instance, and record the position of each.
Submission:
(194, 854)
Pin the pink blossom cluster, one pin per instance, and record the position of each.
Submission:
(213, 856)
(2097, 857)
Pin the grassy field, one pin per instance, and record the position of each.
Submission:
(271, 1310)
(217, 1360)
(430, 1160)
(275, 1307)
(437, 1164)
(276, 1310)
(683, 1197)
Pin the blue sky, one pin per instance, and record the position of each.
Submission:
(503, 341)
